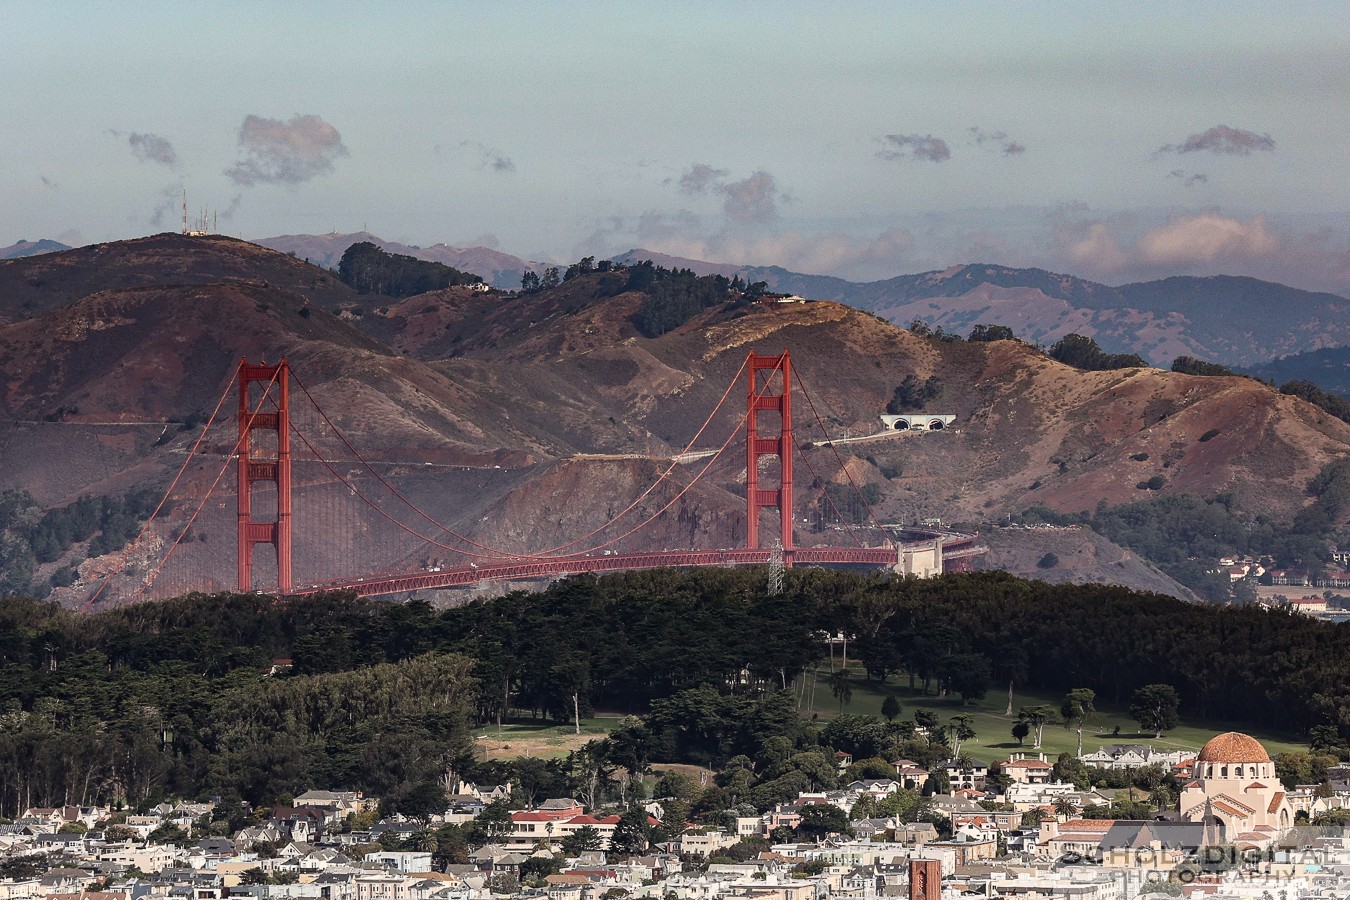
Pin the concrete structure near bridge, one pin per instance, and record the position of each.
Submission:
(924, 562)
(917, 422)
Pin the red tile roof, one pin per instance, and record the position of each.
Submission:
(1102, 825)
(1232, 747)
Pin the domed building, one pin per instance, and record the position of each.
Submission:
(1235, 787)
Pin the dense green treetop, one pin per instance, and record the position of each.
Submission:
(175, 698)
(371, 270)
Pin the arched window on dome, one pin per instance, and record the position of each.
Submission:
(1224, 772)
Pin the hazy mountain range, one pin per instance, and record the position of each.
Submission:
(1235, 321)
(31, 248)
(1224, 319)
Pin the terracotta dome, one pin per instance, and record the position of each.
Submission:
(1233, 747)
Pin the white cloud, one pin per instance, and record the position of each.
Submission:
(1096, 251)
(752, 199)
(1206, 238)
(277, 152)
(1201, 243)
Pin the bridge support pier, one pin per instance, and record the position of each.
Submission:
(780, 445)
(278, 470)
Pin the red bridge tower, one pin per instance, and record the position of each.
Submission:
(278, 470)
(779, 445)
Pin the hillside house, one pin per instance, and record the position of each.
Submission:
(964, 774)
(1026, 768)
(340, 803)
(910, 774)
(1132, 756)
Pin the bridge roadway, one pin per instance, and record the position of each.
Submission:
(956, 549)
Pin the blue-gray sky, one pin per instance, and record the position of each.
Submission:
(1111, 140)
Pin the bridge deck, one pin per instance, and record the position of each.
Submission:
(956, 549)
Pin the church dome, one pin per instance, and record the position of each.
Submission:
(1232, 747)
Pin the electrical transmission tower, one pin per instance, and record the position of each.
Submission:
(776, 568)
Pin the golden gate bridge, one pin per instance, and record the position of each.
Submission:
(334, 521)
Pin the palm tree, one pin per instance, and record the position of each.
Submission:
(1161, 797)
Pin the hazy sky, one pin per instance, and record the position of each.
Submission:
(1116, 141)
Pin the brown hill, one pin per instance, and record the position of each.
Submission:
(1078, 555)
(575, 377)
(31, 248)
(1029, 430)
(578, 410)
(33, 285)
(146, 356)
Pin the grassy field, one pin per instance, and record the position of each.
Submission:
(994, 739)
(548, 741)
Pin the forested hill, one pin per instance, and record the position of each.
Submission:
(176, 698)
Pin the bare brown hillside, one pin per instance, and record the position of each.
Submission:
(1077, 555)
(34, 285)
(580, 411)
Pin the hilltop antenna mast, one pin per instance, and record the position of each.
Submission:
(185, 230)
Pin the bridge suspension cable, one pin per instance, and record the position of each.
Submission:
(843, 467)
(196, 446)
(370, 556)
(495, 552)
(712, 459)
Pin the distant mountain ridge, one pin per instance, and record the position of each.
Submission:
(1223, 318)
(31, 248)
(524, 420)
(1227, 319)
(496, 268)
(1328, 368)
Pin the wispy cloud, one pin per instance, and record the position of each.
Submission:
(479, 155)
(170, 197)
(748, 201)
(1223, 141)
(997, 140)
(152, 148)
(914, 146)
(489, 158)
(277, 152)
(1189, 179)
(701, 178)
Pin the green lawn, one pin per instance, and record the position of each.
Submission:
(994, 739)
